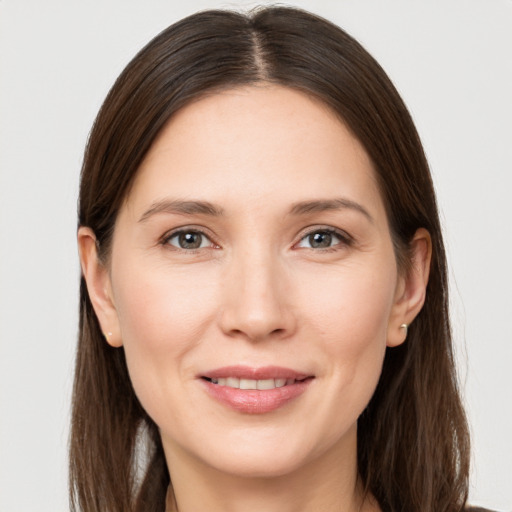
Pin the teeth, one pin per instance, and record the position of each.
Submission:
(232, 382)
(266, 384)
(248, 384)
(263, 384)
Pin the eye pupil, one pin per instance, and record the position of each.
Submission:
(190, 240)
(320, 239)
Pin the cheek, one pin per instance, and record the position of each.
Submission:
(354, 302)
(161, 308)
(163, 316)
(350, 310)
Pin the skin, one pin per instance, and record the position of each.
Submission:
(256, 293)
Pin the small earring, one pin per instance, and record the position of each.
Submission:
(405, 327)
(107, 336)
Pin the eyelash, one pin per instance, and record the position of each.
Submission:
(345, 240)
(187, 231)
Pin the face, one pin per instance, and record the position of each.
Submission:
(253, 251)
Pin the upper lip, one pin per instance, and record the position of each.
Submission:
(261, 373)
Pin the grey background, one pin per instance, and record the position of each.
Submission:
(452, 62)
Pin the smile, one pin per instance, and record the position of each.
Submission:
(255, 390)
(261, 384)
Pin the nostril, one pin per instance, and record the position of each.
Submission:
(255, 320)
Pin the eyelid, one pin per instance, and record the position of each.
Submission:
(345, 237)
(164, 240)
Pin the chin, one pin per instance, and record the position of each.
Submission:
(245, 452)
(269, 454)
(261, 465)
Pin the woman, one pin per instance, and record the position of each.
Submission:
(264, 320)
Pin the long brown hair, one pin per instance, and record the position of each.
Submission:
(413, 447)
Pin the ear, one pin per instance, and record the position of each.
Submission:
(411, 288)
(99, 286)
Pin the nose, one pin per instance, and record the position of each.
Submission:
(256, 301)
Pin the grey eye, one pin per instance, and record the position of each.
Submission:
(321, 239)
(189, 240)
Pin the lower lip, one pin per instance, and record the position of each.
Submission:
(253, 401)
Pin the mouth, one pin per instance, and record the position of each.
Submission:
(260, 384)
(255, 390)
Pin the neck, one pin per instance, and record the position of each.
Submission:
(329, 483)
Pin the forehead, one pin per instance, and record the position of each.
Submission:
(265, 141)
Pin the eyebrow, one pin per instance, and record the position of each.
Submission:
(181, 207)
(323, 205)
